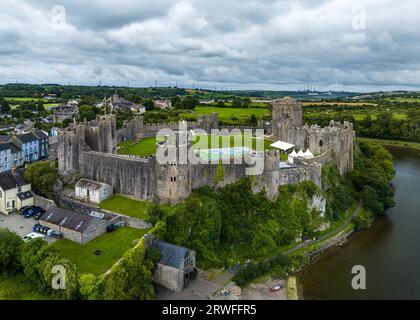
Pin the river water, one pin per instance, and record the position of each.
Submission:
(389, 250)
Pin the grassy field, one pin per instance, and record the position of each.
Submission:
(126, 206)
(397, 143)
(358, 116)
(232, 115)
(146, 147)
(112, 246)
(403, 99)
(14, 99)
(332, 104)
(19, 287)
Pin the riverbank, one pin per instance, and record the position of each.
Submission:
(390, 244)
(395, 143)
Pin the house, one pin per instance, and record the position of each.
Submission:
(15, 193)
(176, 265)
(63, 112)
(92, 191)
(73, 226)
(34, 145)
(10, 156)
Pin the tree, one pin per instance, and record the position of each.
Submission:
(42, 175)
(176, 102)
(87, 112)
(131, 278)
(69, 276)
(10, 248)
(33, 254)
(253, 119)
(190, 102)
(149, 104)
(90, 287)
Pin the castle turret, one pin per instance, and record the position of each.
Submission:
(173, 178)
(287, 114)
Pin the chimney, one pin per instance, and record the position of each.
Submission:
(14, 169)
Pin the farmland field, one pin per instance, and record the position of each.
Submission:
(232, 115)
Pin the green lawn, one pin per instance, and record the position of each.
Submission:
(112, 246)
(233, 115)
(19, 287)
(126, 206)
(146, 147)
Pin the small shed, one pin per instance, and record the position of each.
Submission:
(177, 264)
(92, 191)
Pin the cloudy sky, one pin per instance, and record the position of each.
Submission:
(236, 44)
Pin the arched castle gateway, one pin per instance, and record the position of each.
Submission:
(89, 150)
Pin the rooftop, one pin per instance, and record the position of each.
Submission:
(68, 219)
(170, 254)
(10, 179)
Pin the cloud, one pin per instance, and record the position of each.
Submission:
(231, 43)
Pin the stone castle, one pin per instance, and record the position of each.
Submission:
(89, 150)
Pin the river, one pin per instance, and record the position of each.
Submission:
(389, 250)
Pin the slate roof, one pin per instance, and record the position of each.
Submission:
(170, 254)
(27, 137)
(5, 146)
(25, 195)
(41, 134)
(89, 184)
(9, 145)
(68, 219)
(10, 179)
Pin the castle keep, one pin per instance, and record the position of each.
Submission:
(89, 150)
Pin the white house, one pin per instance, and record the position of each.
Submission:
(15, 193)
(92, 191)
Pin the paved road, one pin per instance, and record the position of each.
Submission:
(326, 236)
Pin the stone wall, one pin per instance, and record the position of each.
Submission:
(44, 203)
(132, 176)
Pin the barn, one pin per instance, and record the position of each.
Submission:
(177, 265)
(74, 226)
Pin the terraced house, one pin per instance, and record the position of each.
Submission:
(23, 148)
(34, 145)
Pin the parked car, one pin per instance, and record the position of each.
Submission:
(115, 226)
(21, 210)
(38, 214)
(277, 288)
(31, 211)
(32, 235)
